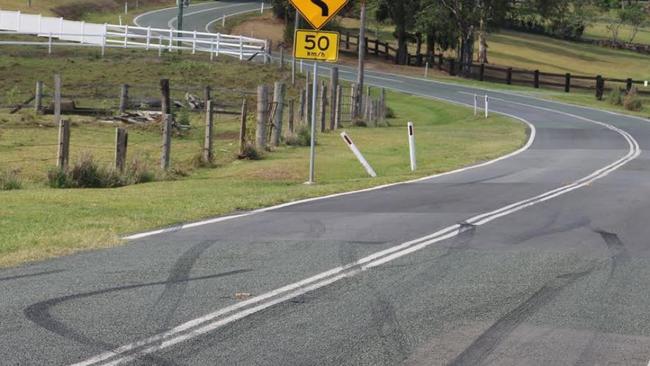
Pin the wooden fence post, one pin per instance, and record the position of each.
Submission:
(262, 116)
(38, 97)
(347, 40)
(207, 93)
(57, 98)
(509, 76)
(165, 102)
(242, 126)
(279, 90)
(334, 87)
(282, 58)
(600, 87)
(63, 156)
(124, 98)
(291, 115)
(165, 157)
(121, 144)
(452, 67)
(323, 106)
(208, 154)
(481, 76)
(301, 106)
(338, 104)
(628, 84)
(536, 79)
(567, 82)
(382, 105)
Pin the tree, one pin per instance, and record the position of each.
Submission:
(402, 13)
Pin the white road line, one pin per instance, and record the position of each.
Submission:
(207, 26)
(136, 20)
(170, 23)
(238, 311)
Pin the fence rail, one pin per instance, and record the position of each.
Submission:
(61, 32)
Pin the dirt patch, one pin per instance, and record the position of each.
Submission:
(265, 26)
(77, 9)
(228, 135)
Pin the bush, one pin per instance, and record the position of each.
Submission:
(302, 137)
(615, 97)
(249, 153)
(9, 181)
(632, 102)
(85, 173)
(184, 117)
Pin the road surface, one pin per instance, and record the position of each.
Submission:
(539, 258)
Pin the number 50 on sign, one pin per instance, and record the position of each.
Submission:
(315, 45)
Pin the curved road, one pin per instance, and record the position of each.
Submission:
(539, 258)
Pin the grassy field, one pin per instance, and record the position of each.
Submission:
(599, 30)
(38, 222)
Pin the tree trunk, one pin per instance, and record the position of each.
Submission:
(361, 66)
(402, 46)
(482, 45)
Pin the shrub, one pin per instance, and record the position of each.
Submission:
(390, 113)
(85, 173)
(359, 123)
(250, 153)
(632, 102)
(9, 180)
(302, 137)
(615, 97)
(184, 117)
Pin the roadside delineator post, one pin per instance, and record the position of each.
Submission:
(487, 106)
(475, 105)
(411, 134)
(358, 154)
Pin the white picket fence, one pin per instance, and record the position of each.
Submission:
(61, 32)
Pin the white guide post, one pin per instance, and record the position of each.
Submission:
(475, 105)
(487, 106)
(358, 154)
(411, 134)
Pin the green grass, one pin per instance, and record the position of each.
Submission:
(598, 30)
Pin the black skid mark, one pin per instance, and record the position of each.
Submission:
(487, 342)
(31, 275)
(39, 314)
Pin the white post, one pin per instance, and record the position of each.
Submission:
(487, 106)
(49, 44)
(357, 153)
(645, 83)
(159, 45)
(218, 43)
(83, 25)
(475, 105)
(148, 37)
(212, 50)
(241, 48)
(426, 70)
(411, 134)
(301, 66)
(171, 38)
(194, 44)
(126, 7)
(262, 8)
(104, 39)
(314, 101)
(119, 18)
(223, 22)
(126, 35)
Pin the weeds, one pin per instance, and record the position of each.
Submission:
(632, 102)
(85, 173)
(10, 180)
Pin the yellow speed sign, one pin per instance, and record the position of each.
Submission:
(316, 45)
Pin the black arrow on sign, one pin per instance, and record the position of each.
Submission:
(323, 6)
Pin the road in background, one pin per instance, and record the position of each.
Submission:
(542, 260)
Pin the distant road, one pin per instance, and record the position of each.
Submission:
(539, 258)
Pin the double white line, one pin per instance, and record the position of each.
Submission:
(219, 318)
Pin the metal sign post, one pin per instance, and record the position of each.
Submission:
(312, 152)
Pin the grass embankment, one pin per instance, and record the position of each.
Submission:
(38, 222)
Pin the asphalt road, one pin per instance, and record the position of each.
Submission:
(540, 258)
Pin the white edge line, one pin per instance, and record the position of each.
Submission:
(207, 26)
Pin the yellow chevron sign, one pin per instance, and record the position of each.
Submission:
(318, 12)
